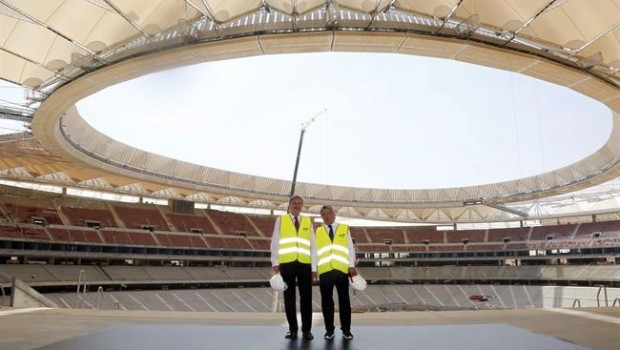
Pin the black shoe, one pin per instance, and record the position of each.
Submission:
(290, 335)
(329, 335)
(307, 335)
(347, 335)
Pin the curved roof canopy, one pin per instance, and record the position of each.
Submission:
(60, 51)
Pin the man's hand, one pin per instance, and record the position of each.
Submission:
(276, 269)
(314, 277)
(352, 272)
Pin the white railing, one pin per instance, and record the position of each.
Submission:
(80, 299)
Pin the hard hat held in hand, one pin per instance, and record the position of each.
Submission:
(358, 282)
(278, 283)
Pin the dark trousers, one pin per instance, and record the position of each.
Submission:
(327, 282)
(296, 273)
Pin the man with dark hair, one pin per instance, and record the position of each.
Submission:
(293, 255)
(335, 264)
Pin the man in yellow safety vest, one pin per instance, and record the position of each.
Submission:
(335, 264)
(293, 255)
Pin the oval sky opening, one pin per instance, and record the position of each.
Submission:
(392, 121)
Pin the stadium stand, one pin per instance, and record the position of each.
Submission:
(33, 214)
(89, 217)
(232, 242)
(484, 247)
(74, 234)
(598, 229)
(119, 236)
(358, 234)
(505, 238)
(408, 248)
(180, 240)
(446, 247)
(372, 248)
(244, 274)
(93, 274)
(232, 223)
(34, 232)
(141, 216)
(553, 232)
(233, 250)
(259, 243)
(386, 234)
(191, 223)
(126, 273)
(246, 233)
(512, 234)
(470, 236)
(374, 298)
(159, 273)
(424, 234)
(46, 275)
(11, 231)
(263, 223)
(29, 273)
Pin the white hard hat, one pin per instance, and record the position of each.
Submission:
(278, 283)
(358, 282)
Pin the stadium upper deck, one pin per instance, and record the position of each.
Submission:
(59, 229)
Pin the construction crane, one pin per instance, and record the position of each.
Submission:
(304, 126)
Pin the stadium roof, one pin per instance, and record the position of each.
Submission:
(60, 51)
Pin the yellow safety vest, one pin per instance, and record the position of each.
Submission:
(294, 245)
(332, 256)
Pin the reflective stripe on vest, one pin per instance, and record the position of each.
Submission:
(294, 245)
(332, 256)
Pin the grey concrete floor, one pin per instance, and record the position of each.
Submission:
(530, 329)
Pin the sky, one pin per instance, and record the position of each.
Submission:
(391, 121)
